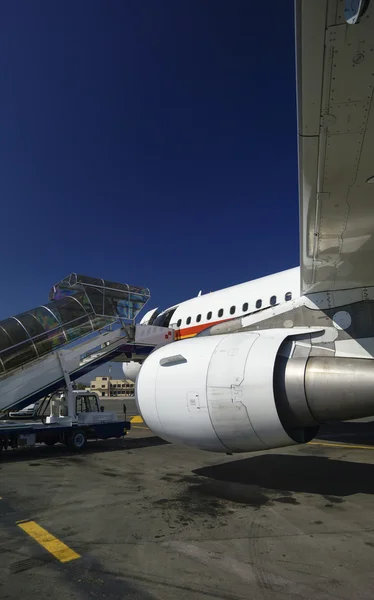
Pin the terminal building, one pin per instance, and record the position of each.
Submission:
(108, 387)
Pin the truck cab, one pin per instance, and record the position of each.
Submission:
(76, 406)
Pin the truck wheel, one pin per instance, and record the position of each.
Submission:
(77, 440)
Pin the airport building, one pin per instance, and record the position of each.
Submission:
(108, 387)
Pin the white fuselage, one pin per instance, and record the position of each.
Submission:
(193, 316)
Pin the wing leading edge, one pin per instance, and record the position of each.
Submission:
(335, 78)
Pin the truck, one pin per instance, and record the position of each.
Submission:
(66, 416)
(86, 322)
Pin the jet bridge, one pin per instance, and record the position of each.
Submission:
(86, 322)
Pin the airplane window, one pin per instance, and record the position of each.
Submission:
(198, 318)
(232, 310)
(209, 316)
(188, 321)
(245, 307)
(220, 312)
(258, 303)
(273, 300)
(288, 296)
(179, 322)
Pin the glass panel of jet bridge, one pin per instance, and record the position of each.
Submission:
(77, 305)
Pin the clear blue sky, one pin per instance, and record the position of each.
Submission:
(147, 142)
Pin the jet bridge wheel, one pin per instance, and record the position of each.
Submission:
(77, 439)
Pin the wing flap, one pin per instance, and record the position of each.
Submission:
(335, 75)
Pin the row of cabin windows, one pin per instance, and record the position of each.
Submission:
(273, 301)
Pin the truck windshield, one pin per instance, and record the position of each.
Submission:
(86, 404)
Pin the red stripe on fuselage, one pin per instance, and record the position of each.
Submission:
(187, 332)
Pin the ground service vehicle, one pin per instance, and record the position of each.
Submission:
(66, 416)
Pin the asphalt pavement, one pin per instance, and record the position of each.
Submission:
(142, 519)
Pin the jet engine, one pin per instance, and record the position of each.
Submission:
(131, 370)
(249, 391)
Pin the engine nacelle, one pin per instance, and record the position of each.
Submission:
(131, 370)
(218, 392)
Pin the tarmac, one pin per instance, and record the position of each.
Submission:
(143, 519)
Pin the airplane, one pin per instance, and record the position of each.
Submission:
(264, 363)
(192, 317)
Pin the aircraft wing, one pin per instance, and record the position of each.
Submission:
(335, 78)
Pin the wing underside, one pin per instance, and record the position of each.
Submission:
(335, 78)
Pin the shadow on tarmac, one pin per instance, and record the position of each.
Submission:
(311, 471)
(41, 451)
(292, 473)
(348, 432)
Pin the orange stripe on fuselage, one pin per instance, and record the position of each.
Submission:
(187, 332)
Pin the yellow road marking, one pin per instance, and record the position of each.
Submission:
(60, 550)
(352, 446)
(137, 419)
(139, 427)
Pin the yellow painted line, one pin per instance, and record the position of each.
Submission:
(352, 446)
(140, 427)
(60, 550)
(137, 419)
